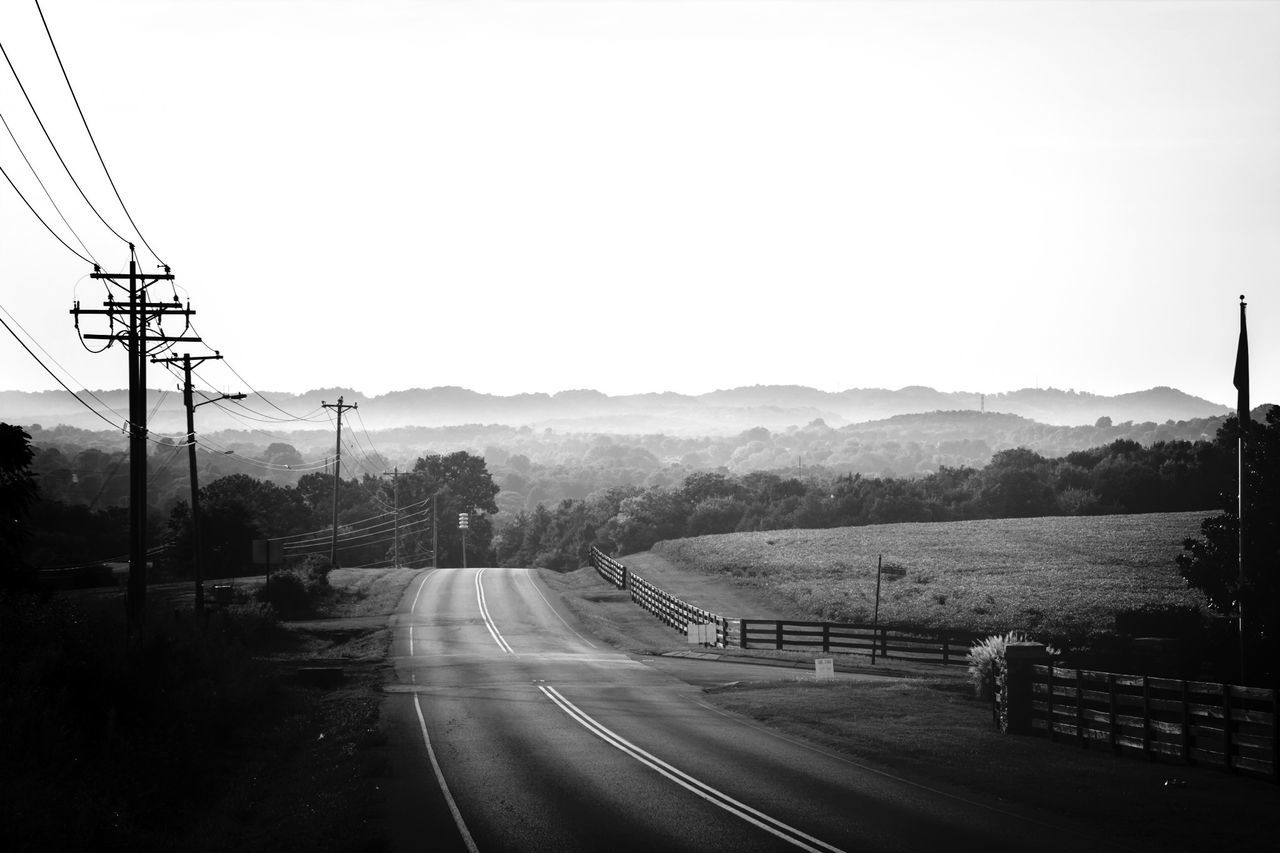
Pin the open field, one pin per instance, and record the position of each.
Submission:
(1061, 577)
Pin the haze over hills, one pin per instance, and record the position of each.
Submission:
(723, 412)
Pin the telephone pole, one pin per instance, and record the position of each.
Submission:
(141, 326)
(340, 407)
(395, 498)
(188, 401)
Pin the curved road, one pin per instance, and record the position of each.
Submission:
(515, 731)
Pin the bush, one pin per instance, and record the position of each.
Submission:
(287, 592)
(988, 672)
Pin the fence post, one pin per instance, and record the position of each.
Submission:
(1084, 744)
(779, 635)
(1146, 717)
(1112, 734)
(826, 637)
(1020, 660)
(742, 633)
(1226, 726)
(623, 586)
(1186, 722)
(1053, 734)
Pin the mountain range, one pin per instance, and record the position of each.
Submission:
(723, 412)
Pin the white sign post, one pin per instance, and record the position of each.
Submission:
(824, 668)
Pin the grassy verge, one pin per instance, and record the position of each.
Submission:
(183, 739)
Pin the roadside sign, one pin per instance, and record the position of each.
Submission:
(701, 634)
(824, 668)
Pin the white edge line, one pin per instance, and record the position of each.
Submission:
(684, 780)
(444, 786)
(529, 575)
(414, 607)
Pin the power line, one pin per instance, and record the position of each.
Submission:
(47, 194)
(91, 139)
(65, 167)
(55, 377)
(41, 218)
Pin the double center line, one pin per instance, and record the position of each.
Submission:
(716, 797)
(488, 619)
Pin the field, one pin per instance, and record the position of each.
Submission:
(1058, 577)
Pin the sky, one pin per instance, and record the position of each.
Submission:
(675, 195)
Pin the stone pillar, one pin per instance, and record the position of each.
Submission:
(1019, 658)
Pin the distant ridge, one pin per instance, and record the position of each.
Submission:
(721, 412)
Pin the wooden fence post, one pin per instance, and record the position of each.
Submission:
(779, 635)
(742, 633)
(826, 637)
(1113, 734)
(1186, 723)
(1053, 734)
(1146, 717)
(1226, 726)
(1080, 709)
(1020, 671)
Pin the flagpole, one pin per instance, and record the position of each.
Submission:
(1241, 381)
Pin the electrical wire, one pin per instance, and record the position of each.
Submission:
(65, 167)
(41, 218)
(91, 139)
(59, 381)
(47, 194)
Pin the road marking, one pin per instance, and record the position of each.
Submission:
(444, 786)
(752, 816)
(529, 575)
(488, 620)
(425, 577)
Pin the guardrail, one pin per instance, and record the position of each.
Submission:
(827, 637)
(1236, 728)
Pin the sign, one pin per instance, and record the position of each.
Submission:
(268, 551)
(701, 634)
(824, 668)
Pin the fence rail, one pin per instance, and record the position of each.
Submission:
(828, 637)
(1236, 728)
(825, 637)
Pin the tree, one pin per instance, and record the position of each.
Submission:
(1211, 564)
(460, 483)
(17, 493)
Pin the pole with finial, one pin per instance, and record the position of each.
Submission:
(1241, 381)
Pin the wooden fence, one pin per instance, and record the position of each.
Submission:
(609, 568)
(675, 612)
(828, 637)
(1236, 728)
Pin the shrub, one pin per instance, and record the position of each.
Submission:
(988, 672)
(288, 594)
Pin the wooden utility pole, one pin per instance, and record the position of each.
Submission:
(340, 407)
(395, 504)
(135, 317)
(189, 362)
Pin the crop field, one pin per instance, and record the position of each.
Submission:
(1059, 577)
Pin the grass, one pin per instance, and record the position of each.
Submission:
(194, 741)
(1060, 577)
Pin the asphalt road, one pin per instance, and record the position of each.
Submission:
(511, 730)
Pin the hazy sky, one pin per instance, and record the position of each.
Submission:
(666, 195)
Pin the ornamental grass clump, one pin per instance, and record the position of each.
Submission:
(989, 673)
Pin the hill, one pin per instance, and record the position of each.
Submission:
(1065, 577)
(717, 413)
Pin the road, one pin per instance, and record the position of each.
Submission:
(514, 731)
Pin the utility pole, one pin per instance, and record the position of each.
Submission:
(189, 362)
(435, 534)
(135, 317)
(340, 407)
(395, 498)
